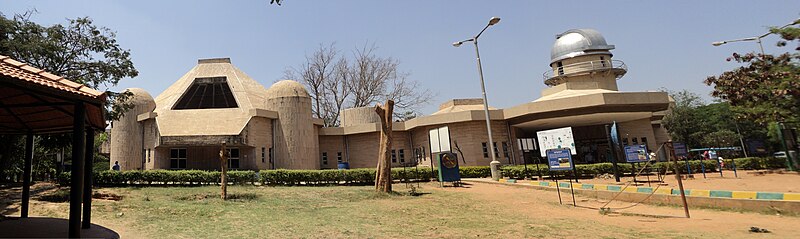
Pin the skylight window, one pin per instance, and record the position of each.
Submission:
(207, 93)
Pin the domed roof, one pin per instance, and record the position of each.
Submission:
(577, 42)
(287, 88)
(140, 97)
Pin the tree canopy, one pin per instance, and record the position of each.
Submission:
(767, 88)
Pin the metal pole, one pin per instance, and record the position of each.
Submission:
(87, 179)
(670, 155)
(26, 175)
(789, 157)
(572, 189)
(494, 164)
(741, 141)
(78, 156)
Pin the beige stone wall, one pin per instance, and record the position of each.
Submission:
(296, 140)
(127, 133)
(364, 149)
(360, 115)
(638, 129)
(258, 134)
(661, 134)
(331, 145)
(151, 141)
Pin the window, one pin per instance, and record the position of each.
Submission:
(644, 140)
(233, 158)
(634, 141)
(496, 153)
(625, 141)
(560, 68)
(325, 158)
(270, 155)
(177, 158)
(148, 155)
(263, 154)
(402, 155)
(207, 93)
(485, 150)
(603, 61)
(505, 149)
(338, 157)
(394, 156)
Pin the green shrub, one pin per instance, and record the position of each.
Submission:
(367, 175)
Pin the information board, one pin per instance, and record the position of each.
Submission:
(560, 159)
(560, 138)
(448, 167)
(636, 153)
(680, 149)
(439, 139)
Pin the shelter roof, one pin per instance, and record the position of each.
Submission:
(33, 100)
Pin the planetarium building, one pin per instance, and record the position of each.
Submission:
(273, 128)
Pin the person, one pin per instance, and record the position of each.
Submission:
(116, 166)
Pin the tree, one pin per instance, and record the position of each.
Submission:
(78, 51)
(336, 82)
(767, 88)
(383, 173)
(682, 119)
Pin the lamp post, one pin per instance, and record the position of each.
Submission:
(494, 164)
(763, 54)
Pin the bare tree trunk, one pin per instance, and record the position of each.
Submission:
(223, 160)
(383, 174)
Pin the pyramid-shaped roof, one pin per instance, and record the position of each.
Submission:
(248, 95)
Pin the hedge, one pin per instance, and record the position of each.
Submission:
(367, 176)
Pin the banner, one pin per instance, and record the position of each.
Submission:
(556, 139)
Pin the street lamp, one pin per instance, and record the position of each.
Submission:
(494, 164)
(756, 39)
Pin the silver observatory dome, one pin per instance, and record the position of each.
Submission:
(578, 42)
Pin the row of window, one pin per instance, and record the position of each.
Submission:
(634, 141)
(396, 154)
(177, 158)
(325, 157)
(496, 152)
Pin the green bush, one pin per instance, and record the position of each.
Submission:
(367, 176)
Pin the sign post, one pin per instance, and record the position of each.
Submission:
(448, 168)
(636, 154)
(681, 151)
(561, 160)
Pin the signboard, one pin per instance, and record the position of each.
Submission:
(680, 149)
(615, 133)
(448, 167)
(526, 144)
(440, 139)
(712, 155)
(556, 139)
(559, 159)
(636, 153)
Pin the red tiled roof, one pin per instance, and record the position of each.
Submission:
(15, 69)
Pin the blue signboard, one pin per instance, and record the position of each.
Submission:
(680, 149)
(448, 167)
(560, 159)
(636, 153)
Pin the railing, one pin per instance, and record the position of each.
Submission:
(616, 66)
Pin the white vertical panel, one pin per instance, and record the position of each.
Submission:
(433, 138)
(444, 139)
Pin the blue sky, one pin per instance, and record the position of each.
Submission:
(664, 43)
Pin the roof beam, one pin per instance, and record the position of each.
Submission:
(19, 120)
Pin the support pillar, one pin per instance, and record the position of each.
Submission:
(87, 179)
(76, 178)
(26, 175)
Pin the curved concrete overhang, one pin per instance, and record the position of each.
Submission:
(589, 109)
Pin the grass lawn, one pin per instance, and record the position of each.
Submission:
(324, 212)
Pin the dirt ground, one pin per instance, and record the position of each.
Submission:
(777, 181)
(703, 222)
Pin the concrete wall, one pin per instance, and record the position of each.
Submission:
(639, 129)
(296, 139)
(258, 134)
(127, 133)
(205, 157)
(331, 145)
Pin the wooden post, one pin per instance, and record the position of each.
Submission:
(87, 179)
(383, 173)
(26, 175)
(223, 159)
(671, 155)
(76, 178)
